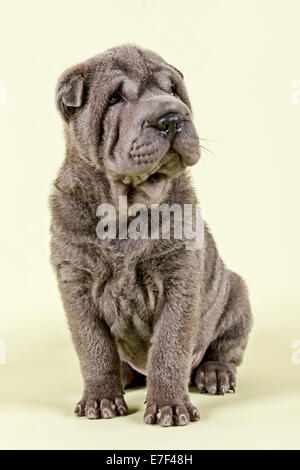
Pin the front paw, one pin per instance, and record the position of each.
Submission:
(178, 414)
(95, 408)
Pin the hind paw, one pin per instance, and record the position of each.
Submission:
(215, 378)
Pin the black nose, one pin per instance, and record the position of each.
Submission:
(169, 124)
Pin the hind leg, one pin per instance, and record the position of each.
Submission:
(216, 373)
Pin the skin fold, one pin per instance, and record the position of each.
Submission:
(140, 307)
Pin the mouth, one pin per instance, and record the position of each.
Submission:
(155, 181)
(169, 166)
(138, 180)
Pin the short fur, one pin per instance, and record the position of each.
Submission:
(134, 307)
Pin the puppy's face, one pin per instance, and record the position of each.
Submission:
(128, 113)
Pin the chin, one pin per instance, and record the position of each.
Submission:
(150, 185)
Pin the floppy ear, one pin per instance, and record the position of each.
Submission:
(176, 70)
(70, 91)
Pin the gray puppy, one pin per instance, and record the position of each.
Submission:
(143, 307)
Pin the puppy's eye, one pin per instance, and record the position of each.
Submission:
(173, 90)
(114, 98)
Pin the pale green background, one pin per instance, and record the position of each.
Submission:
(240, 59)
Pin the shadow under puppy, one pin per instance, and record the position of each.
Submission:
(139, 306)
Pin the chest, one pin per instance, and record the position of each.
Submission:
(130, 301)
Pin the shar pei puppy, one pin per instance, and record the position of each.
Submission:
(139, 306)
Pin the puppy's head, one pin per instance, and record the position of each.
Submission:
(127, 113)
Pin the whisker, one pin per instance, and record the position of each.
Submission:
(207, 140)
(193, 137)
(207, 150)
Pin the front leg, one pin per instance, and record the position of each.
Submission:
(170, 355)
(98, 356)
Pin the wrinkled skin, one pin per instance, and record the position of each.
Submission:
(122, 139)
(139, 308)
